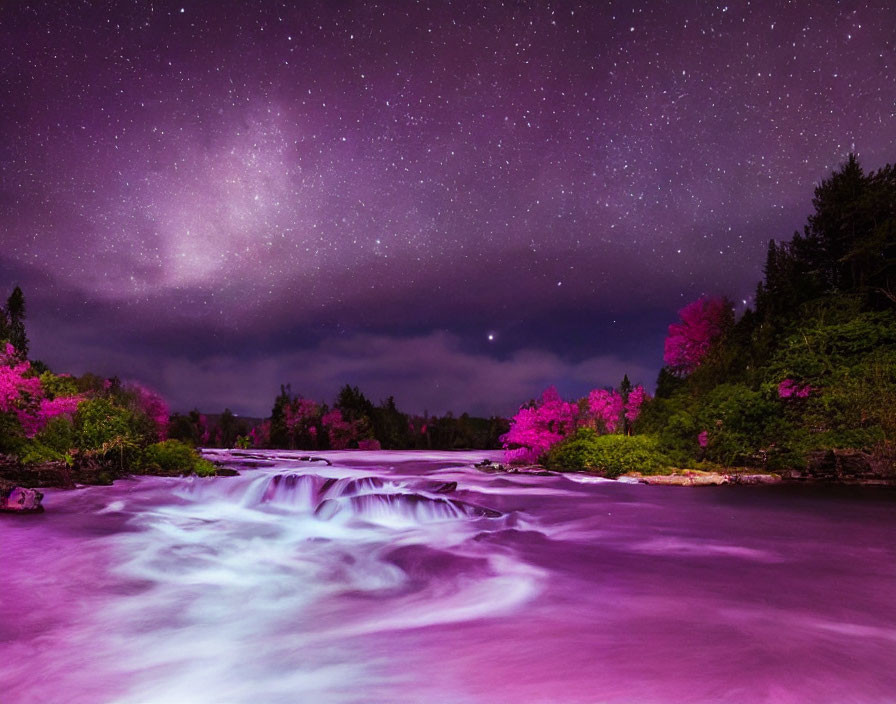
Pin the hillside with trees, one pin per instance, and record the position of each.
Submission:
(58, 429)
(803, 379)
(813, 367)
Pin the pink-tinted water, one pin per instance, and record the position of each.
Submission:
(376, 580)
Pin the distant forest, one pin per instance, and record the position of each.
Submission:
(352, 422)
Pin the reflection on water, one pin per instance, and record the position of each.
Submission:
(413, 577)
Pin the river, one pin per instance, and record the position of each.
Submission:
(377, 580)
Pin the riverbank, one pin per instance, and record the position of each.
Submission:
(836, 467)
(19, 482)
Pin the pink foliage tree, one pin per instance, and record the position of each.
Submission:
(260, 435)
(534, 430)
(152, 405)
(636, 399)
(688, 341)
(540, 426)
(606, 409)
(791, 389)
(301, 417)
(19, 388)
(34, 420)
(340, 432)
(21, 393)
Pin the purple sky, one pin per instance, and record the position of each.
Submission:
(455, 203)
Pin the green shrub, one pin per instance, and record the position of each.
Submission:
(54, 385)
(58, 435)
(53, 443)
(817, 350)
(36, 452)
(173, 457)
(610, 455)
(12, 438)
(101, 425)
(243, 442)
(678, 438)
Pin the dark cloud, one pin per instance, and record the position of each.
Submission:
(435, 373)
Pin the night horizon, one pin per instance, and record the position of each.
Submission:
(453, 205)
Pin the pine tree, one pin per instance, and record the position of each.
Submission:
(4, 325)
(279, 431)
(625, 388)
(838, 223)
(15, 314)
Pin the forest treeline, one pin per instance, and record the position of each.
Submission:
(352, 422)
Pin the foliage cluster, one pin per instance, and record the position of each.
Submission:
(814, 365)
(173, 457)
(542, 424)
(608, 455)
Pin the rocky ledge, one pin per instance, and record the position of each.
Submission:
(496, 468)
(690, 477)
(682, 477)
(83, 470)
(847, 467)
(16, 499)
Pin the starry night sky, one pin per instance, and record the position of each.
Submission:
(455, 203)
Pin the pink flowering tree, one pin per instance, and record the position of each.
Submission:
(20, 389)
(302, 416)
(606, 408)
(152, 405)
(689, 340)
(260, 435)
(636, 399)
(534, 430)
(34, 420)
(611, 410)
(22, 394)
(791, 389)
(340, 432)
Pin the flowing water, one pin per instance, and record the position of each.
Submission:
(414, 577)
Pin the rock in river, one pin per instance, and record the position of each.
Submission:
(15, 499)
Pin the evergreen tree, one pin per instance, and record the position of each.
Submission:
(4, 325)
(279, 431)
(390, 426)
(667, 383)
(229, 428)
(625, 388)
(12, 323)
(873, 253)
(15, 311)
(353, 404)
(839, 222)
